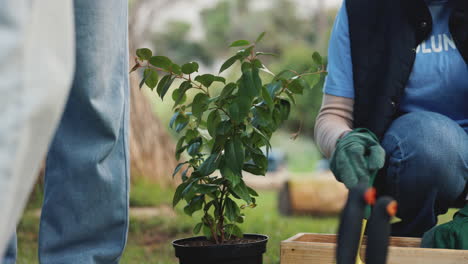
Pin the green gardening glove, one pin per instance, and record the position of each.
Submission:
(451, 235)
(357, 158)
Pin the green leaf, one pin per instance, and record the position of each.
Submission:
(207, 232)
(143, 80)
(266, 54)
(212, 122)
(266, 140)
(227, 90)
(219, 79)
(190, 67)
(240, 219)
(179, 148)
(144, 54)
(290, 96)
(234, 230)
(173, 119)
(297, 86)
(234, 154)
(257, 81)
(178, 193)
(232, 209)
(197, 228)
(200, 104)
(234, 112)
(242, 191)
(239, 43)
(190, 191)
(320, 82)
(260, 37)
(180, 96)
(267, 98)
(191, 135)
(273, 88)
(205, 79)
(244, 105)
(210, 203)
(317, 58)
(285, 109)
(262, 116)
(252, 192)
(257, 64)
(195, 204)
(254, 169)
(181, 122)
(209, 165)
(178, 167)
(179, 152)
(232, 177)
(260, 160)
(161, 62)
(164, 85)
(135, 67)
(175, 69)
(229, 62)
(151, 78)
(244, 53)
(249, 86)
(184, 174)
(194, 148)
(223, 128)
(206, 188)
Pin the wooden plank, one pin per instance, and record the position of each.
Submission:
(316, 196)
(297, 237)
(320, 248)
(398, 255)
(307, 252)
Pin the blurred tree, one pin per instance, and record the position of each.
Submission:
(217, 24)
(174, 43)
(303, 116)
(291, 37)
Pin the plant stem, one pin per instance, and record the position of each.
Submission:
(221, 213)
(197, 86)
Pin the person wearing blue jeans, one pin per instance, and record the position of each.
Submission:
(84, 216)
(427, 156)
(399, 69)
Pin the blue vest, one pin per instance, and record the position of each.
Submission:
(385, 36)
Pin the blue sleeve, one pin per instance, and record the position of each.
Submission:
(339, 81)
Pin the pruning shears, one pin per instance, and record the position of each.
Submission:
(354, 221)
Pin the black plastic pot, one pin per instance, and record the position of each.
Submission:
(248, 253)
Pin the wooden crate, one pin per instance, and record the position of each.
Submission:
(307, 248)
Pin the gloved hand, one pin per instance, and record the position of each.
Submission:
(357, 157)
(451, 235)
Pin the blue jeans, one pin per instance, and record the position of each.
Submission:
(427, 157)
(85, 211)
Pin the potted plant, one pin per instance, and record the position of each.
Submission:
(223, 134)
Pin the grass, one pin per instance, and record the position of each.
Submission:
(149, 240)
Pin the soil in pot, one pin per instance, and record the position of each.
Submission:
(198, 250)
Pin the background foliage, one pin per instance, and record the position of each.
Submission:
(291, 37)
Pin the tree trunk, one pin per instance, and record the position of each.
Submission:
(151, 147)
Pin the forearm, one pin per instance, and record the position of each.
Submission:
(334, 119)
